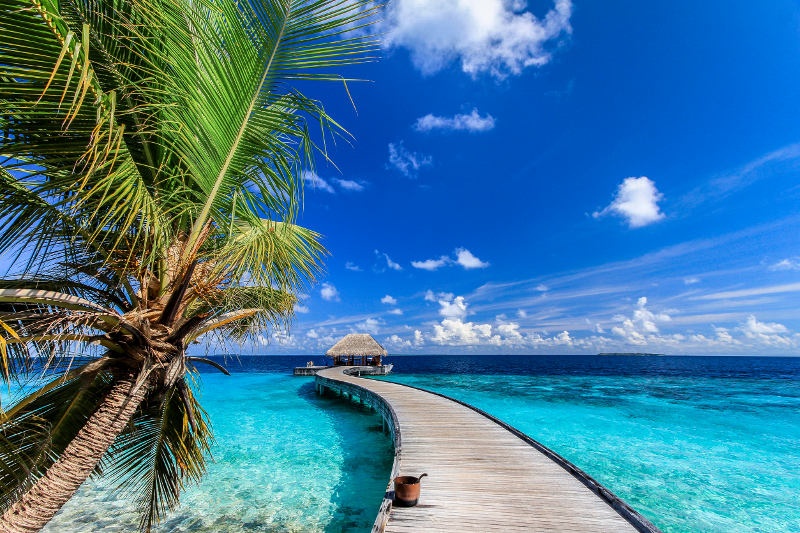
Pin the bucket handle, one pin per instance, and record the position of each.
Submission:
(420, 477)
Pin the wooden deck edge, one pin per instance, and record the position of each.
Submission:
(386, 411)
(631, 515)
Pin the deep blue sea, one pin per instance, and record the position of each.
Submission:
(693, 443)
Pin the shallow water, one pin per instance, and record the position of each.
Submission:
(694, 444)
(284, 460)
(689, 446)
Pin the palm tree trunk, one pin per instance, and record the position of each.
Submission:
(38, 506)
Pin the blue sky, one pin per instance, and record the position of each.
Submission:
(562, 176)
(569, 177)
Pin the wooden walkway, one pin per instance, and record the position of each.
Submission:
(482, 475)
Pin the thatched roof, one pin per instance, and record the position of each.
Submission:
(357, 344)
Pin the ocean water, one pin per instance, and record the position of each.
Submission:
(284, 460)
(693, 443)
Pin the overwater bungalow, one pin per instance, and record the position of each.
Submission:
(356, 349)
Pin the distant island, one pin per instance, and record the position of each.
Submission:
(638, 354)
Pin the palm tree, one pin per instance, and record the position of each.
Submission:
(149, 184)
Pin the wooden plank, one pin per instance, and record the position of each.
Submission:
(482, 474)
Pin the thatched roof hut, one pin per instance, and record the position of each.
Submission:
(357, 348)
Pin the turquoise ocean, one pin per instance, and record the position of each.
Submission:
(693, 443)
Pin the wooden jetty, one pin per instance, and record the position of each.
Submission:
(369, 370)
(308, 370)
(483, 475)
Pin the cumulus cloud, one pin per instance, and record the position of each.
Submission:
(408, 163)
(636, 201)
(456, 332)
(397, 342)
(369, 325)
(396, 312)
(463, 257)
(724, 336)
(329, 293)
(490, 36)
(432, 264)
(641, 325)
(510, 331)
(313, 180)
(472, 122)
(455, 308)
(388, 300)
(767, 333)
(563, 338)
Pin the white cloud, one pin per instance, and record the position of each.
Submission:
(455, 308)
(724, 336)
(563, 338)
(768, 333)
(311, 177)
(521, 313)
(396, 312)
(691, 280)
(757, 291)
(301, 309)
(486, 36)
(542, 287)
(419, 340)
(350, 185)
(389, 263)
(788, 264)
(283, 338)
(388, 300)
(510, 331)
(455, 332)
(431, 264)
(636, 201)
(352, 266)
(472, 122)
(369, 325)
(408, 163)
(313, 180)
(465, 258)
(398, 342)
(329, 293)
(639, 328)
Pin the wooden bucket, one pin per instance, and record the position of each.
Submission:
(406, 490)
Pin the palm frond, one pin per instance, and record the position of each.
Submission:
(271, 254)
(165, 446)
(35, 430)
